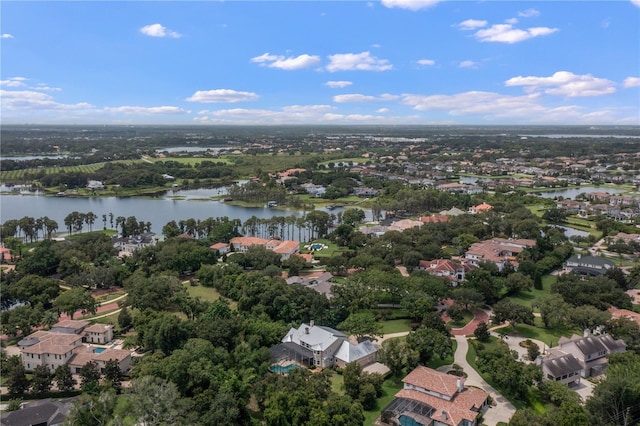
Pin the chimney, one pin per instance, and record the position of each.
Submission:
(311, 323)
(460, 385)
(306, 330)
(587, 332)
(444, 416)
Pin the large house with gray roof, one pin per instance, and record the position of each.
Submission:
(588, 265)
(315, 345)
(577, 357)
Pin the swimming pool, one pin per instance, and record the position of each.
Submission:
(283, 369)
(99, 350)
(316, 246)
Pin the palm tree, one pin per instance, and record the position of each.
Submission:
(90, 219)
(111, 220)
(104, 221)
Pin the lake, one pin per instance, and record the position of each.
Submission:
(157, 210)
(573, 192)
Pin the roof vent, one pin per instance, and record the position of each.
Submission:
(444, 415)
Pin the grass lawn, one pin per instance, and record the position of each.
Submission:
(331, 250)
(527, 298)
(396, 326)
(109, 297)
(466, 317)
(110, 319)
(208, 294)
(549, 336)
(389, 389)
(337, 383)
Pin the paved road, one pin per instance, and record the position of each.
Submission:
(502, 410)
(478, 316)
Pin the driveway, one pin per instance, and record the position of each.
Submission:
(502, 410)
(514, 344)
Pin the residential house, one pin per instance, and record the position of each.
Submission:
(563, 368)
(95, 184)
(448, 269)
(322, 347)
(221, 248)
(322, 283)
(63, 344)
(84, 354)
(625, 313)
(432, 398)
(590, 351)
(98, 333)
(43, 412)
(500, 251)
(48, 348)
(128, 245)
(285, 248)
(453, 211)
(588, 265)
(480, 208)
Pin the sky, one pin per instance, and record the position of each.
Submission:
(387, 62)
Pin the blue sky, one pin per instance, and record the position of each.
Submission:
(320, 62)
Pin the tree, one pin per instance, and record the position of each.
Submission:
(113, 375)
(76, 299)
(63, 378)
(295, 264)
(397, 355)
(614, 400)
(125, 321)
(533, 350)
(517, 283)
(352, 379)
(587, 317)
(553, 309)
(89, 376)
(16, 379)
(41, 379)
(362, 325)
(429, 343)
(482, 332)
(515, 313)
(156, 402)
(470, 298)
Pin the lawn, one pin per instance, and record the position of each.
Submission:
(331, 249)
(207, 294)
(527, 298)
(466, 317)
(548, 336)
(389, 389)
(396, 326)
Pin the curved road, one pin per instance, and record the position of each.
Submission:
(502, 410)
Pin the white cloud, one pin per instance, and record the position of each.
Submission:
(631, 81)
(511, 21)
(147, 110)
(222, 95)
(475, 102)
(635, 2)
(13, 82)
(472, 24)
(426, 62)
(27, 99)
(506, 33)
(564, 83)
(284, 63)
(338, 84)
(6, 35)
(157, 30)
(529, 13)
(468, 64)
(383, 110)
(357, 62)
(355, 97)
(44, 87)
(410, 4)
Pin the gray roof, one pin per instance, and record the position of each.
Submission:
(562, 365)
(42, 412)
(349, 352)
(317, 337)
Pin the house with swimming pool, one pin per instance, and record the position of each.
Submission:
(322, 347)
(72, 342)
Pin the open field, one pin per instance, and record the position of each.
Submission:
(527, 298)
(21, 175)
